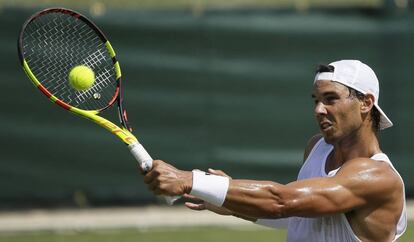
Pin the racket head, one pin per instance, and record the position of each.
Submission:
(52, 42)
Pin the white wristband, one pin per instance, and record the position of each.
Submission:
(209, 187)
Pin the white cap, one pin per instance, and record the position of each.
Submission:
(359, 76)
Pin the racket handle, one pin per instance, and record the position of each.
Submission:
(141, 155)
(145, 162)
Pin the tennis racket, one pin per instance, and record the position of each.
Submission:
(55, 40)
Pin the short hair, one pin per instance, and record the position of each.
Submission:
(375, 114)
(325, 68)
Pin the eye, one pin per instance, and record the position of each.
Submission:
(330, 99)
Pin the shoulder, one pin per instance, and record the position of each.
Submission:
(311, 143)
(368, 165)
(370, 178)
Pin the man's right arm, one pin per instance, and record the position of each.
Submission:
(275, 223)
(283, 222)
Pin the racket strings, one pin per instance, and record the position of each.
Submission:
(53, 44)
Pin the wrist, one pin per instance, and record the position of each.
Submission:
(210, 188)
(188, 182)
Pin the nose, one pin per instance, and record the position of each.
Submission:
(320, 109)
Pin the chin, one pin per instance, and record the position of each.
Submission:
(329, 138)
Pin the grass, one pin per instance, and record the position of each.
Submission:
(199, 234)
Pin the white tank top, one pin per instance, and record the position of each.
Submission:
(333, 228)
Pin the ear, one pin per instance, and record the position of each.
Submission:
(368, 103)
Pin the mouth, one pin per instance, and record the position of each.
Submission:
(325, 126)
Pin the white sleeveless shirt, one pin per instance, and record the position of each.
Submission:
(334, 228)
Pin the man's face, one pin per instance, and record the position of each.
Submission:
(337, 113)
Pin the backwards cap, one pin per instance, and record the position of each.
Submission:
(359, 76)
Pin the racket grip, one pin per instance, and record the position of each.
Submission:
(141, 155)
(145, 162)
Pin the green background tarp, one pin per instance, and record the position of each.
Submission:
(225, 89)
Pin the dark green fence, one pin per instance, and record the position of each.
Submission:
(228, 90)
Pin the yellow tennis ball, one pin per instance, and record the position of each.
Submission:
(81, 77)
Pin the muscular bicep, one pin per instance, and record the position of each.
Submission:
(358, 183)
(305, 198)
(354, 186)
(322, 196)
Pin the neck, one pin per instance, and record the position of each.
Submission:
(361, 143)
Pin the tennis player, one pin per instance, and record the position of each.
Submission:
(347, 188)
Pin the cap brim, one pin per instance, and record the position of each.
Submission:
(385, 122)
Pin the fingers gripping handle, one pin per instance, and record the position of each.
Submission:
(145, 162)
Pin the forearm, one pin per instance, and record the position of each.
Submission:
(256, 199)
(280, 223)
(247, 199)
(242, 216)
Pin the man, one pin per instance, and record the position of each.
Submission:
(347, 188)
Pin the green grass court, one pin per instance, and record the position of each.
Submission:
(199, 234)
(203, 234)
